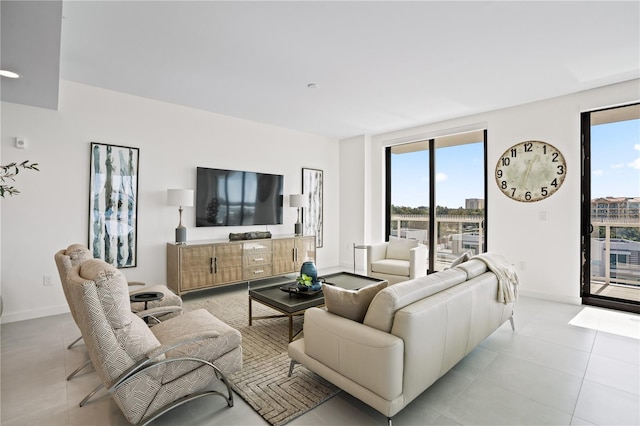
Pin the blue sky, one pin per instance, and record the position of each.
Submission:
(458, 176)
(615, 160)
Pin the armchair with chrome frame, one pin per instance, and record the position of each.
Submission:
(77, 254)
(149, 370)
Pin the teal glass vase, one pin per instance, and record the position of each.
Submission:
(310, 270)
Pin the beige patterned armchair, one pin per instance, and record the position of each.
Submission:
(170, 303)
(76, 254)
(149, 371)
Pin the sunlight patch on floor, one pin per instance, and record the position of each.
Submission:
(620, 323)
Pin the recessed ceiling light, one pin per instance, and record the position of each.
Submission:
(312, 86)
(9, 74)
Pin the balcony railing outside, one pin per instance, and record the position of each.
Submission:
(615, 247)
(615, 258)
(455, 234)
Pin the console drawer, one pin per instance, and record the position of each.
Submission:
(256, 259)
(256, 272)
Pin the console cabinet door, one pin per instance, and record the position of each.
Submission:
(284, 256)
(196, 267)
(305, 251)
(227, 263)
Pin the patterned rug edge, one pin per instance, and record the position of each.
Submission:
(290, 418)
(263, 382)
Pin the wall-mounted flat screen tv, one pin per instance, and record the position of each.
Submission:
(237, 198)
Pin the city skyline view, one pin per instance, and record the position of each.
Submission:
(615, 169)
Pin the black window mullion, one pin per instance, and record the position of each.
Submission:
(432, 206)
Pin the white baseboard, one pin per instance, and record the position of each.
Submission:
(551, 297)
(8, 317)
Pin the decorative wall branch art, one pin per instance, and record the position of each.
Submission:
(312, 215)
(113, 204)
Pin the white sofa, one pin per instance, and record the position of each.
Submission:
(397, 260)
(412, 333)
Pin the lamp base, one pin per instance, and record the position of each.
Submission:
(181, 235)
(298, 229)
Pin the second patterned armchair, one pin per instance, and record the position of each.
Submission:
(149, 370)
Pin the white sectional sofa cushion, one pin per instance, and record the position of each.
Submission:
(384, 306)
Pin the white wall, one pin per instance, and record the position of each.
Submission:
(352, 197)
(546, 253)
(52, 210)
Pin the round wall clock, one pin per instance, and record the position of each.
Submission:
(530, 171)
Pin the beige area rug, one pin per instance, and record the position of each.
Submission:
(263, 381)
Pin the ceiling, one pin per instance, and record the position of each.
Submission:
(378, 66)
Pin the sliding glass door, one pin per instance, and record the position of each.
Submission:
(436, 195)
(611, 208)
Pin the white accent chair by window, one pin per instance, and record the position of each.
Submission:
(397, 260)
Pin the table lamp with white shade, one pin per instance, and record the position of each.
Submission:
(299, 201)
(181, 198)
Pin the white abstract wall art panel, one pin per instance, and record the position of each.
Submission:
(312, 215)
(113, 204)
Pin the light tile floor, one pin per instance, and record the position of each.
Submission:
(546, 372)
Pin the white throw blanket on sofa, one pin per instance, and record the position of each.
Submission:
(506, 273)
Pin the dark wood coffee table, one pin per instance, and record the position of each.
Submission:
(293, 304)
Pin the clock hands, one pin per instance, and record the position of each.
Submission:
(526, 174)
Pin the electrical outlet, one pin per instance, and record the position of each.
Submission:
(46, 280)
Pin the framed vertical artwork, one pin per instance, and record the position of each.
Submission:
(312, 215)
(113, 204)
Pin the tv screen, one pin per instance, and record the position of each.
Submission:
(237, 198)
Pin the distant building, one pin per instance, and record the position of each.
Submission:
(474, 204)
(615, 208)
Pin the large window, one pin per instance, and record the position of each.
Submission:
(448, 174)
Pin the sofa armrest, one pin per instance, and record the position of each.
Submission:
(418, 262)
(375, 252)
(370, 357)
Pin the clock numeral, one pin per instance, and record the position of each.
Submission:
(560, 169)
(528, 147)
(554, 157)
(505, 161)
(499, 173)
(513, 192)
(544, 191)
(544, 149)
(527, 195)
(554, 183)
(514, 152)
(503, 184)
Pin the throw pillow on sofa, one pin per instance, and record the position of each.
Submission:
(398, 248)
(351, 304)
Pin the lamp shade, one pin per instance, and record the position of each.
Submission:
(180, 197)
(297, 200)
